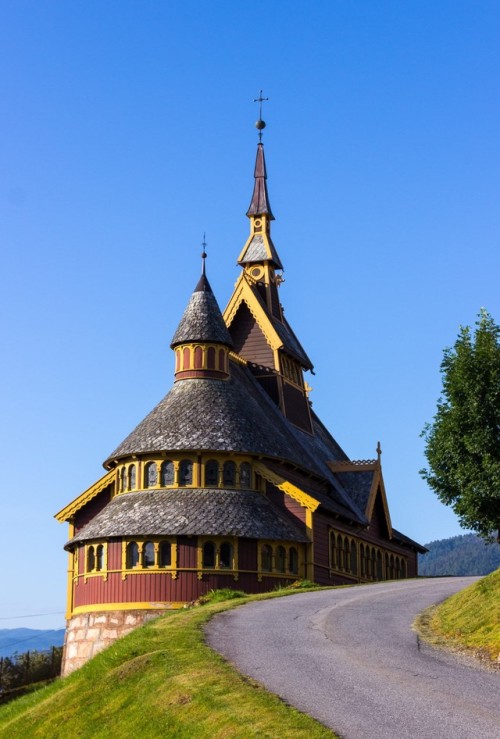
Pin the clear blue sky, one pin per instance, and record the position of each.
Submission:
(127, 130)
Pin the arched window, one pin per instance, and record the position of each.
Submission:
(167, 473)
(123, 479)
(379, 566)
(148, 554)
(165, 554)
(208, 554)
(132, 555)
(99, 557)
(340, 553)
(229, 474)
(177, 360)
(362, 559)
(347, 555)
(222, 360)
(198, 357)
(186, 472)
(90, 559)
(131, 477)
(150, 475)
(293, 561)
(245, 475)
(186, 358)
(212, 473)
(211, 357)
(267, 558)
(391, 567)
(374, 564)
(280, 560)
(387, 568)
(354, 558)
(333, 551)
(226, 555)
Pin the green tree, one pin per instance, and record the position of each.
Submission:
(463, 440)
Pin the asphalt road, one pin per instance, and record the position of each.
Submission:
(349, 658)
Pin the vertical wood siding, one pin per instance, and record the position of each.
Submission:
(248, 339)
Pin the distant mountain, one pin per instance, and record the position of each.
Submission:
(460, 555)
(24, 640)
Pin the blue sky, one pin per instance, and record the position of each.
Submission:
(127, 131)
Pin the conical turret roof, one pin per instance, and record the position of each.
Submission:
(202, 320)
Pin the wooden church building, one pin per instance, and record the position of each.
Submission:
(231, 480)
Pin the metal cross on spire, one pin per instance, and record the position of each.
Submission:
(260, 124)
(203, 254)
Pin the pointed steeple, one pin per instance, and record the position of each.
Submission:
(260, 204)
(202, 341)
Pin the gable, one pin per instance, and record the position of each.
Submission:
(248, 338)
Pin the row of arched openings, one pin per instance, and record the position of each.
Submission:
(187, 358)
(221, 557)
(279, 559)
(149, 556)
(373, 563)
(227, 474)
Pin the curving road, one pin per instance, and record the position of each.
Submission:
(348, 657)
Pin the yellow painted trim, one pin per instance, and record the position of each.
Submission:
(66, 513)
(378, 484)
(139, 606)
(70, 575)
(304, 499)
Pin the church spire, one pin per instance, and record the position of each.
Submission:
(260, 204)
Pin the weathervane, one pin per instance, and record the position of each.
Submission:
(260, 124)
(203, 254)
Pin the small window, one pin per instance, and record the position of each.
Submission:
(280, 559)
(131, 477)
(226, 555)
(123, 480)
(198, 357)
(354, 558)
(208, 554)
(229, 474)
(132, 555)
(245, 475)
(99, 557)
(347, 555)
(267, 558)
(148, 554)
(165, 554)
(186, 358)
(222, 360)
(167, 473)
(90, 559)
(186, 472)
(212, 473)
(150, 475)
(293, 561)
(211, 357)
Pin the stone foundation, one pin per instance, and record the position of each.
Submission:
(90, 633)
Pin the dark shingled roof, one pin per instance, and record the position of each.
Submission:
(358, 485)
(190, 512)
(202, 319)
(260, 199)
(256, 252)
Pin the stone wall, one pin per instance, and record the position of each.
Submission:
(90, 633)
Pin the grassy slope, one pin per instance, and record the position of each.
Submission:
(160, 680)
(469, 620)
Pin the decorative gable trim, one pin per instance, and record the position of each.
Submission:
(69, 511)
(304, 499)
(244, 293)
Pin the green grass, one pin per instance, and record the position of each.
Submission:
(467, 621)
(159, 681)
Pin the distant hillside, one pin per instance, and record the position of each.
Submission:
(459, 555)
(23, 640)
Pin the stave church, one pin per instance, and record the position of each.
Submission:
(231, 481)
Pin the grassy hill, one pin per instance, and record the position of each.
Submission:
(159, 681)
(460, 556)
(468, 621)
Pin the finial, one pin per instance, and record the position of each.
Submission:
(260, 124)
(379, 451)
(203, 255)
